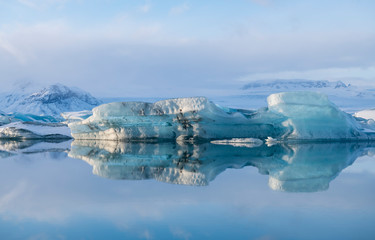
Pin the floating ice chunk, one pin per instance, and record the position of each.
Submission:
(17, 117)
(311, 115)
(76, 116)
(366, 114)
(240, 142)
(34, 130)
(4, 118)
(367, 119)
(181, 119)
(291, 116)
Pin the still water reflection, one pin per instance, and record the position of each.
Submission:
(292, 168)
(294, 191)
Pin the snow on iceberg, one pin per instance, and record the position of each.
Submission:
(289, 116)
(34, 130)
(366, 119)
(76, 116)
(366, 114)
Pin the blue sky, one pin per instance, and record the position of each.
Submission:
(184, 48)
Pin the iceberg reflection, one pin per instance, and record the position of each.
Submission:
(292, 168)
(13, 147)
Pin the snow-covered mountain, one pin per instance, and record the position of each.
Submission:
(47, 101)
(330, 88)
(295, 84)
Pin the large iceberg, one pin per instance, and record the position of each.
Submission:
(181, 119)
(290, 116)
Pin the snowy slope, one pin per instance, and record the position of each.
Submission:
(366, 114)
(47, 101)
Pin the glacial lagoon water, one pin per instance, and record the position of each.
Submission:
(117, 190)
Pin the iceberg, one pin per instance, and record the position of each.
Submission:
(367, 119)
(34, 130)
(290, 116)
(6, 118)
(76, 116)
(290, 167)
(182, 119)
(366, 114)
(311, 116)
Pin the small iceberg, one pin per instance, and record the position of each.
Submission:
(34, 130)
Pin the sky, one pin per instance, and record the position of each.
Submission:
(172, 48)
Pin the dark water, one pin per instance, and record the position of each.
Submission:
(110, 190)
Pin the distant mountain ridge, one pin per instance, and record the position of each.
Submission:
(291, 84)
(47, 101)
(330, 88)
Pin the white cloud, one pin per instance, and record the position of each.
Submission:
(43, 4)
(179, 9)
(146, 234)
(145, 8)
(262, 2)
(361, 75)
(28, 3)
(12, 195)
(144, 58)
(12, 51)
(180, 233)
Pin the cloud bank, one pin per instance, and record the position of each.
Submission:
(182, 49)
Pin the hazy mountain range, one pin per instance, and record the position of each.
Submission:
(52, 100)
(327, 87)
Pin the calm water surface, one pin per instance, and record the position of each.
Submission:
(110, 190)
